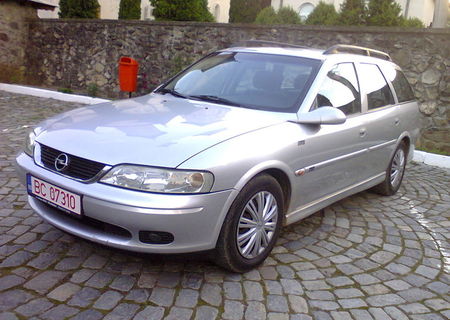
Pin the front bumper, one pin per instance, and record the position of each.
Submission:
(194, 220)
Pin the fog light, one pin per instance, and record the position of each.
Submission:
(155, 237)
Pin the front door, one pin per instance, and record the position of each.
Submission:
(331, 158)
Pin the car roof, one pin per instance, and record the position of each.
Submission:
(296, 52)
(330, 54)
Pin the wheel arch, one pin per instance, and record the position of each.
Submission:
(279, 171)
(405, 138)
(407, 142)
(283, 180)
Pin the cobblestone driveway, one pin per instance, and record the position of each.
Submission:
(367, 257)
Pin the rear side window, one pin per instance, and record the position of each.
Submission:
(402, 87)
(378, 92)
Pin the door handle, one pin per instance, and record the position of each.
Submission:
(362, 132)
(396, 121)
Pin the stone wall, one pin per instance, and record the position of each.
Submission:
(83, 55)
(13, 39)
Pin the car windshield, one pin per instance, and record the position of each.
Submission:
(249, 80)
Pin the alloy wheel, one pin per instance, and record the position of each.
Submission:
(257, 224)
(397, 167)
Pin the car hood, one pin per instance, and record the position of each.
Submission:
(157, 130)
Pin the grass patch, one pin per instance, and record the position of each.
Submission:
(433, 150)
(12, 73)
(65, 90)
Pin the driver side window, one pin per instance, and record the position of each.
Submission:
(340, 90)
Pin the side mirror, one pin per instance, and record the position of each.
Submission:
(323, 115)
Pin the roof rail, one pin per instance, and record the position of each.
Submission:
(343, 48)
(261, 43)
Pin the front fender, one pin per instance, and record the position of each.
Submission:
(261, 167)
(236, 161)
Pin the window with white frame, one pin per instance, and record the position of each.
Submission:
(305, 10)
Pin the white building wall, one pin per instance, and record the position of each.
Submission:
(146, 10)
(109, 9)
(427, 13)
(47, 14)
(220, 9)
(296, 4)
(422, 9)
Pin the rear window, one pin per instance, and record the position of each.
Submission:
(402, 87)
(399, 82)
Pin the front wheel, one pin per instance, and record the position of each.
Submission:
(251, 226)
(394, 172)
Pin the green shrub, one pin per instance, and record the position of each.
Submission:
(181, 10)
(130, 9)
(287, 15)
(245, 11)
(353, 13)
(413, 23)
(88, 9)
(323, 14)
(385, 13)
(267, 16)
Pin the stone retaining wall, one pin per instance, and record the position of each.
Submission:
(83, 55)
(13, 39)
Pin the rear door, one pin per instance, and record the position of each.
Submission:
(381, 116)
(407, 106)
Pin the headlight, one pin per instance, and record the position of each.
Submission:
(159, 180)
(29, 143)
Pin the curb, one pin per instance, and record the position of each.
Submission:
(50, 94)
(419, 156)
(431, 159)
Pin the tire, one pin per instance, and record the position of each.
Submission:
(394, 172)
(258, 236)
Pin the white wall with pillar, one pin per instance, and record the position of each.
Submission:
(304, 7)
(422, 9)
(109, 9)
(220, 9)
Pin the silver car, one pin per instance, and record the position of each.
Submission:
(221, 156)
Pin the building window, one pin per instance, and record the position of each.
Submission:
(305, 10)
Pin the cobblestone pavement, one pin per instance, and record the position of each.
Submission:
(367, 257)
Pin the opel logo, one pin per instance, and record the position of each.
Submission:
(61, 162)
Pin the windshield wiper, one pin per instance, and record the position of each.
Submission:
(215, 99)
(172, 92)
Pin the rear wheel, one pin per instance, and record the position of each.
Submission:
(394, 172)
(252, 225)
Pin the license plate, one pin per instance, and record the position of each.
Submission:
(54, 195)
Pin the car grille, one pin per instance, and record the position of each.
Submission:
(78, 168)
